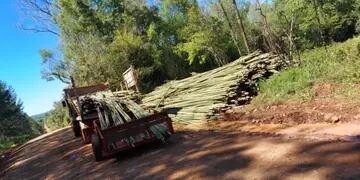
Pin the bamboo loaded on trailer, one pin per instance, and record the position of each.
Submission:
(115, 109)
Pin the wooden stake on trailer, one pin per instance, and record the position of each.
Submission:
(76, 97)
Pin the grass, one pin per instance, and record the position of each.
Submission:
(338, 63)
(350, 91)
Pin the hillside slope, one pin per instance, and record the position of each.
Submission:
(323, 88)
(40, 116)
(336, 65)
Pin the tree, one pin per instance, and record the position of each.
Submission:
(204, 39)
(315, 22)
(57, 117)
(54, 67)
(230, 26)
(172, 38)
(13, 121)
(241, 27)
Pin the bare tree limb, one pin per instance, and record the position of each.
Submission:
(42, 15)
(38, 30)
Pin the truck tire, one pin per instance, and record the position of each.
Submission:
(96, 146)
(76, 128)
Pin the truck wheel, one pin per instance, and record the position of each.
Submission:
(96, 146)
(76, 128)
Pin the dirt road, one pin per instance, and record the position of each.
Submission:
(216, 154)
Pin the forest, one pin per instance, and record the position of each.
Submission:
(171, 39)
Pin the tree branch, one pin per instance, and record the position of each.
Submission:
(39, 30)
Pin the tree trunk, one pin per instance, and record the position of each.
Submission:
(290, 38)
(266, 30)
(230, 26)
(241, 27)
(270, 39)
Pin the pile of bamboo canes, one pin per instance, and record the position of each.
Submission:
(128, 94)
(205, 95)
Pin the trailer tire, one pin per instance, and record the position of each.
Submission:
(96, 146)
(76, 128)
(172, 139)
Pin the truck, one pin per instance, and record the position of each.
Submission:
(110, 141)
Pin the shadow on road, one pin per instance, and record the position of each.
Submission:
(200, 154)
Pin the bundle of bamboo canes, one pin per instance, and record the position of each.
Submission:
(205, 95)
(117, 108)
(113, 109)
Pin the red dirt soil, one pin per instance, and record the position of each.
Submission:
(326, 107)
(203, 154)
(319, 110)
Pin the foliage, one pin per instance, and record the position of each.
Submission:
(15, 126)
(170, 39)
(53, 67)
(9, 142)
(13, 121)
(37, 127)
(204, 39)
(56, 118)
(314, 22)
(339, 64)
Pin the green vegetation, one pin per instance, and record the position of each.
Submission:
(169, 39)
(336, 64)
(9, 142)
(56, 118)
(15, 126)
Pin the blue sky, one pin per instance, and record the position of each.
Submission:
(20, 62)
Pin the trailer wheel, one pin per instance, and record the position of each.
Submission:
(76, 128)
(96, 146)
(172, 139)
